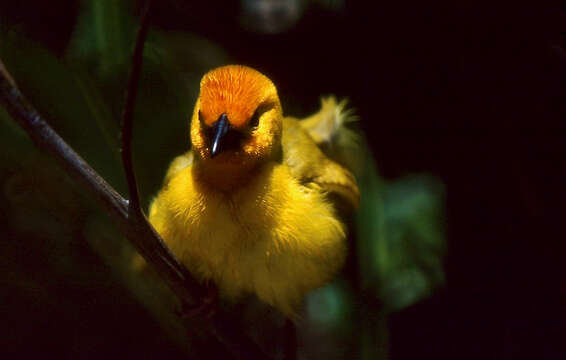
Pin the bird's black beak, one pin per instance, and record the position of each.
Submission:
(219, 129)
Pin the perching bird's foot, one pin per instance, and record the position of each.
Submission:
(205, 309)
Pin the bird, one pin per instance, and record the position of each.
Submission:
(251, 207)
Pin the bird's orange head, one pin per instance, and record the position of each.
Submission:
(237, 119)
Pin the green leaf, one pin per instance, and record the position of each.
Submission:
(53, 88)
(401, 241)
(414, 214)
(104, 36)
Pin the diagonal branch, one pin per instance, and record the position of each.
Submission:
(130, 221)
(143, 237)
(138, 231)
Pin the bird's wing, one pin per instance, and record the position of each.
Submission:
(313, 168)
(178, 164)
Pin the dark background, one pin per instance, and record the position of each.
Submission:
(474, 95)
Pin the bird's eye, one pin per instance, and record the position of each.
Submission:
(254, 120)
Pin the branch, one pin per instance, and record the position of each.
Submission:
(128, 115)
(133, 225)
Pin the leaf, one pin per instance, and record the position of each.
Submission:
(413, 211)
(401, 237)
(51, 85)
(103, 36)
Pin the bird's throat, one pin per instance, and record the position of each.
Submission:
(223, 174)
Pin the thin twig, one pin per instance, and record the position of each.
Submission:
(128, 114)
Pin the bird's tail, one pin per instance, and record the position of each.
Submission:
(329, 129)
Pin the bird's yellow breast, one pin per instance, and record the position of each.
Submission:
(273, 237)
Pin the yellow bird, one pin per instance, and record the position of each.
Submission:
(249, 207)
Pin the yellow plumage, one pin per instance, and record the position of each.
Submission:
(254, 216)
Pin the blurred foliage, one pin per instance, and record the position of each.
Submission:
(401, 252)
(63, 255)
